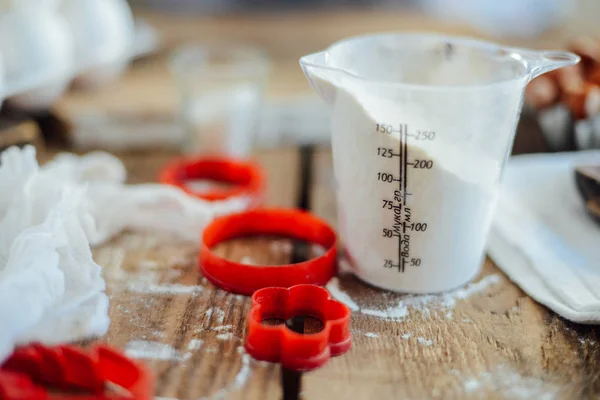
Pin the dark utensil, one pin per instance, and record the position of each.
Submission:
(587, 178)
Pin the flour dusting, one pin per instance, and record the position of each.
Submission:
(443, 302)
(372, 334)
(398, 312)
(471, 385)
(334, 288)
(239, 380)
(281, 246)
(195, 344)
(243, 374)
(511, 385)
(248, 261)
(344, 267)
(146, 350)
(224, 336)
(148, 264)
(222, 328)
(424, 341)
(220, 314)
(163, 289)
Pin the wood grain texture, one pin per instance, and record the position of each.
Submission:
(495, 344)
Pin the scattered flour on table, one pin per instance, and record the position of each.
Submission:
(372, 334)
(163, 289)
(224, 336)
(389, 313)
(220, 314)
(334, 288)
(407, 336)
(424, 342)
(195, 344)
(243, 374)
(148, 264)
(146, 279)
(318, 250)
(509, 384)
(344, 267)
(281, 246)
(248, 261)
(222, 328)
(585, 341)
(444, 302)
(240, 379)
(146, 350)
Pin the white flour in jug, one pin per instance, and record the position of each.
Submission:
(454, 198)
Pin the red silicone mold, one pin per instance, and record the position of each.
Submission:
(296, 351)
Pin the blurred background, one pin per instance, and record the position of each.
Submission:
(128, 81)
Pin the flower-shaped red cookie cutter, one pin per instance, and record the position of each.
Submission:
(297, 351)
(30, 369)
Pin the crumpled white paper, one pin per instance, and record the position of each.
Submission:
(49, 282)
(51, 290)
(116, 206)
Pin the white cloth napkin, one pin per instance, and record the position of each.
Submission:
(542, 237)
(51, 290)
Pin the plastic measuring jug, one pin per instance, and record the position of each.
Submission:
(421, 127)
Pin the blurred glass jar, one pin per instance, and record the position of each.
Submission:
(221, 89)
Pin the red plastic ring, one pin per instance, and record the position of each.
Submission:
(248, 177)
(246, 279)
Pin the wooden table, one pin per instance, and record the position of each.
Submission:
(496, 343)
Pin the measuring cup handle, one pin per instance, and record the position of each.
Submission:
(540, 62)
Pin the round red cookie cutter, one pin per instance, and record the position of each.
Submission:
(247, 178)
(246, 279)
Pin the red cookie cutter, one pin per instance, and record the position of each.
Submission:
(247, 177)
(246, 279)
(296, 351)
(30, 369)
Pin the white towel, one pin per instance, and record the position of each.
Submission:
(543, 238)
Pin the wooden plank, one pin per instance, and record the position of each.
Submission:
(495, 344)
(164, 311)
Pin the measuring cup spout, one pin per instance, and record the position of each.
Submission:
(540, 62)
(321, 76)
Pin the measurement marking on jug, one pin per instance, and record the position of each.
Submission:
(405, 158)
(402, 160)
(403, 224)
